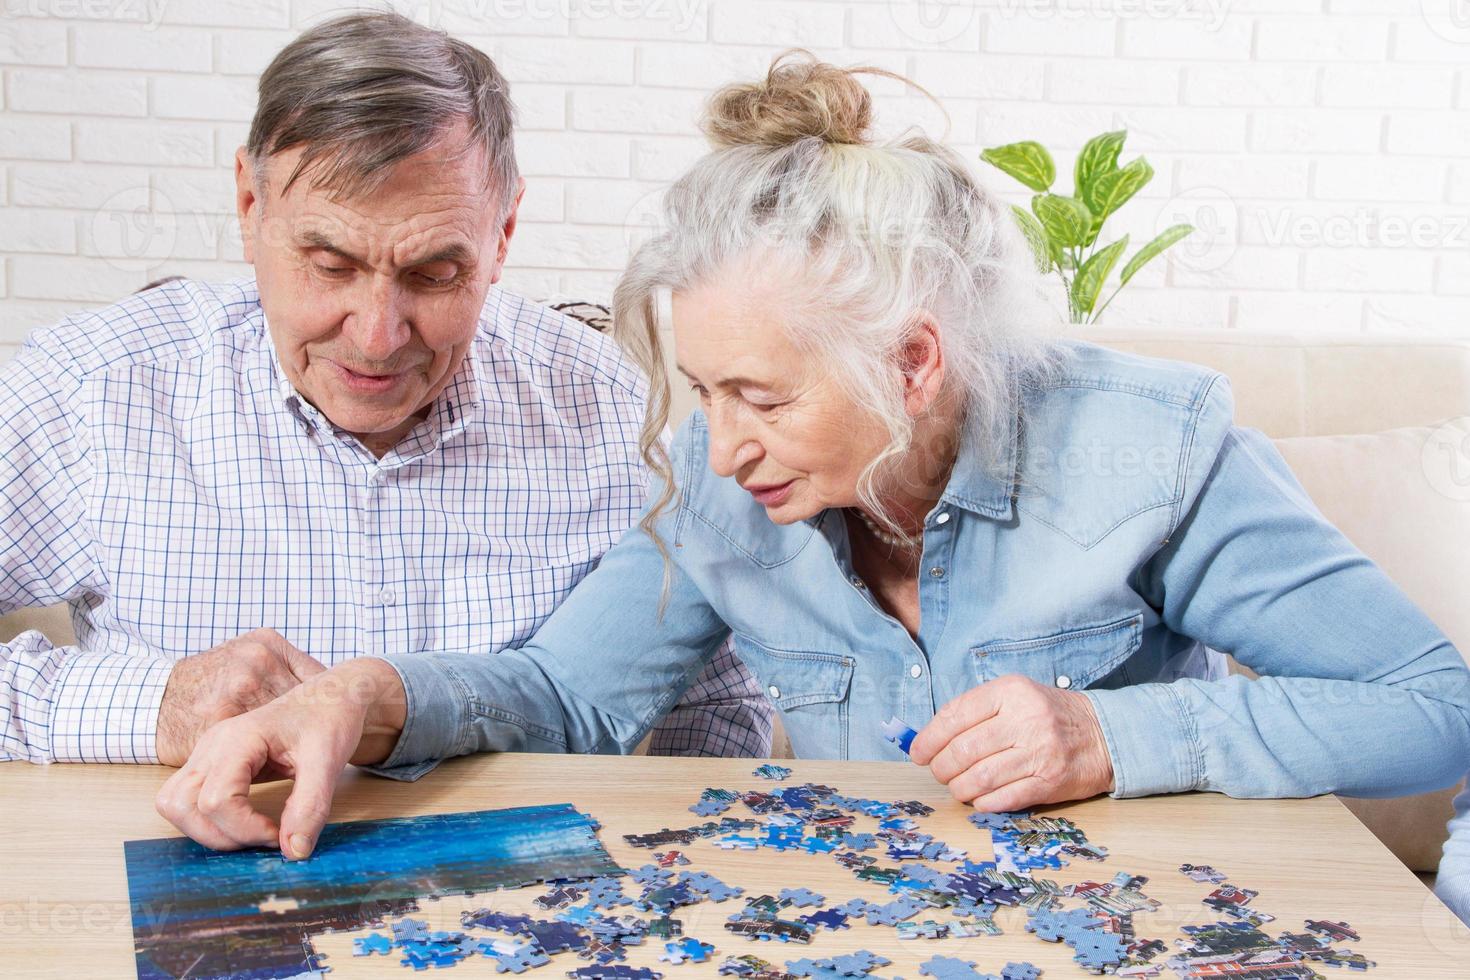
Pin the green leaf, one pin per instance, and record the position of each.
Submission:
(1036, 238)
(1112, 190)
(1150, 251)
(1027, 161)
(1092, 275)
(1098, 157)
(1065, 219)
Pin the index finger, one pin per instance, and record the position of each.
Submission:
(959, 714)
(224, 801)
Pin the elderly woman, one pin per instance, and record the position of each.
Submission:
(904, 499)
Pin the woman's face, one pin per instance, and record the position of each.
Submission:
(778, 424)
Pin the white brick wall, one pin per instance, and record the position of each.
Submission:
(1318, 143)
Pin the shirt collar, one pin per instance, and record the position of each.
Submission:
(981, 481)
(455, 408)
(984, 477)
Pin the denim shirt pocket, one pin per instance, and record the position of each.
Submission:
(1093, 656)
(811, 691)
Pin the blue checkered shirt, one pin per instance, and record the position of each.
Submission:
(161, 475)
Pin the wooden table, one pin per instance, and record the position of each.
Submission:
(64, 900)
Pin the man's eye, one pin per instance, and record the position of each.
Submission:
(333, 270)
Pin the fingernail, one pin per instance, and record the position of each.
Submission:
(300, 846)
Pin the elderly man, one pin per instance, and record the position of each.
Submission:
(367, 449)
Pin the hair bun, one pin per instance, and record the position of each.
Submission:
(800, 98)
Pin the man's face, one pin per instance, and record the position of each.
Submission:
(372, 303)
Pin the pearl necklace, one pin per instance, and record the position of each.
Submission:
(887, 537)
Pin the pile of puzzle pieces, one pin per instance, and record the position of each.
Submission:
(935, 894)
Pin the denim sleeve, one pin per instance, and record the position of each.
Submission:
(1453, 882)
(1360, 693)
(603, 668)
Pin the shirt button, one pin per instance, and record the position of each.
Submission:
(936, 572)
(1063, 681)
(916, 671)
(773, 691)
(857, 582)
(942, 518)
(386, 597)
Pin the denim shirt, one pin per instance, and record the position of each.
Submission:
(1133, 529)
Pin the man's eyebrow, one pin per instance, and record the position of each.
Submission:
(457, 253)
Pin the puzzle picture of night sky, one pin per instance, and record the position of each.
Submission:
(202, 914)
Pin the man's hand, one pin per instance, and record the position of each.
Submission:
(231, 679)
(352, 713)
(1012, 743)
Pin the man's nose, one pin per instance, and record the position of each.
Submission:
(379, 326)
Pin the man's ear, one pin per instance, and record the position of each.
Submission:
(247, 200)
(508, 229)
(922, 359)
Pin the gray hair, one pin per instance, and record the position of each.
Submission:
(361, 92)
(877, 233)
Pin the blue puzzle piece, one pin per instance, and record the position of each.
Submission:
(1019, 971)
(709, 886)
(709, 808)
(801, 897)
(900, 733)
(949, 968)
(828, 919)
(687, 948)
(376, 943)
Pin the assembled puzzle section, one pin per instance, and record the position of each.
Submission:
(198, 913)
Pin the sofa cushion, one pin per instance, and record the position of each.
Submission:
(1403, 497)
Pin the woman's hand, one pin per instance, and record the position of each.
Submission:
(352, 713)
(1012, 743)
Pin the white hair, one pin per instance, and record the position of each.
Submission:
(876, 233)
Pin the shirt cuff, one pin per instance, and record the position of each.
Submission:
(436, 722)
(1150, 738)
(105, 708)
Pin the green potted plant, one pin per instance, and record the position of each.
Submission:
(1063, 231)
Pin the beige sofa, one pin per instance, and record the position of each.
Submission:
(1379, 433)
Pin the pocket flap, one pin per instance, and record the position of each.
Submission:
(792, 678)
(1072, 659)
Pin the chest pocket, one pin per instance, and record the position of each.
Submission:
(811, 691)
(1094, 656)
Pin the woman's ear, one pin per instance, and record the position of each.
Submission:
(922, 360)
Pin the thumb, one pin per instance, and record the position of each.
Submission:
(308, 806)
(299, 664)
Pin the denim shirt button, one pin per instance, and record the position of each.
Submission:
(857, 583)
(936, 572)
(916, 671)
(773, 691)
(942, 518)
(1063, 681)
